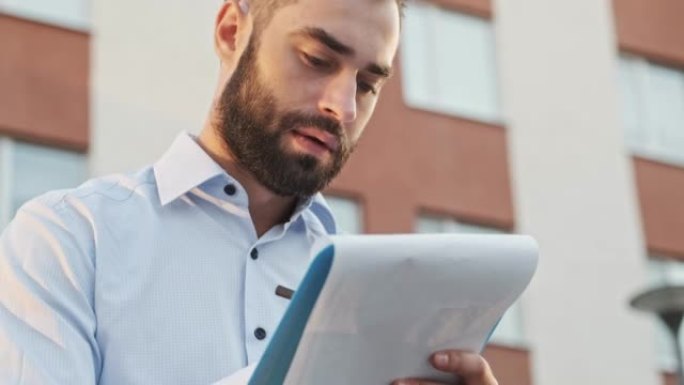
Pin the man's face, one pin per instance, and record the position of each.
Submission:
(304, 89)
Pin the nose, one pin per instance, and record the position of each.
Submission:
(339, 98)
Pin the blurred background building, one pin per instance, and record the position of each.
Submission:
(560, 119)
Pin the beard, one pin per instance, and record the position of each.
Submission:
(255, 130)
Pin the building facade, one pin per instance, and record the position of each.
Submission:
(559, 119)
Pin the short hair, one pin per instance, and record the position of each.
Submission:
(263, 10)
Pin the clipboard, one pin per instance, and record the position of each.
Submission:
(345, 323)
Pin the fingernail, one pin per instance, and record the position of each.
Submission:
(441, 359)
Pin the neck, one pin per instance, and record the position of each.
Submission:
(266, 208)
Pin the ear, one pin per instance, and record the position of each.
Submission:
(232, 30)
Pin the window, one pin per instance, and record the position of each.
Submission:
(5, 182)
(66, 13)
(510, 328)
(448, 63)
(28, 170)
(653, 109)
(661, 272)
(347, 214)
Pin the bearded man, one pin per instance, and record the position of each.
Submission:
(167, 275)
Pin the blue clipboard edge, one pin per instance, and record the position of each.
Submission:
(275, 363)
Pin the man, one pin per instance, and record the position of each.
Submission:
(168, 275)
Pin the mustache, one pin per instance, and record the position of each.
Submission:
(293, 120)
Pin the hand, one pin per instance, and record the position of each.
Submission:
(471, 368)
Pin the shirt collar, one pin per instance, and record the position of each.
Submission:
(184, 166)
(321, 211)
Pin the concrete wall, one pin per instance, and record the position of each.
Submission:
(574, 191)
(154, 72)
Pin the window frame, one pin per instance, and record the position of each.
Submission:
(11, 151)
(645, 140)
(432, 103)
(358, 205)
(6, 178)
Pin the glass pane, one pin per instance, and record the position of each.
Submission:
(428, 225)
(653, 108)
(347, 215)
(417, 32)
(465, 66)
(460, 227)
(68, 13)
(509, 331)
(666, 90)
(632, 103)
(5, 162)
(40, 169)
(448, 63)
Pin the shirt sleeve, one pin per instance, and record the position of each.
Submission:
(47, 321)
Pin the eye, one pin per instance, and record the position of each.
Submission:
(316, 62)
(366, 88)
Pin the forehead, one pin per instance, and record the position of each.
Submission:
(370, 27)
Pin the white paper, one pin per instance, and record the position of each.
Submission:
(390, 301)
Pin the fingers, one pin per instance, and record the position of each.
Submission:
(416, 382)
(471, 367)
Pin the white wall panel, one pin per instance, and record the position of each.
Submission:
(154, 73)
(574, 192)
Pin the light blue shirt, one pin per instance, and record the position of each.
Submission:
(152, 278)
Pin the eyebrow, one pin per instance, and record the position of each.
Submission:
(325, 38)
(379, 70)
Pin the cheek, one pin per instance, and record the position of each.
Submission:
(290, 83)
(354, 132)
(364, 113)
(276, 72)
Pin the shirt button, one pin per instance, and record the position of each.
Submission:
(260, 333)
(254, 254)
(230, 189)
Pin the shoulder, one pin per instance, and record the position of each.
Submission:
(77, 211)
(116, 189)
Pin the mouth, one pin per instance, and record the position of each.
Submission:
(317, 138)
